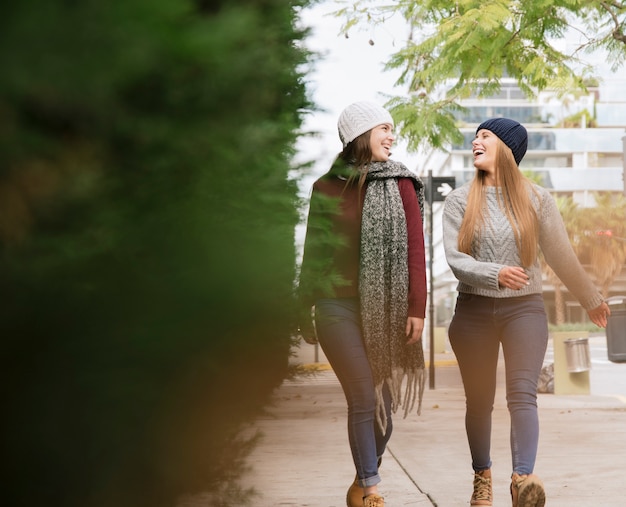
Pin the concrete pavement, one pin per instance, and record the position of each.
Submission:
(303, 458)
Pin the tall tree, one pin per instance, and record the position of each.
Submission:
(460, 48)
(146, 242)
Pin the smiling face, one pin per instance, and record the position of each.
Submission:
(381, 140)
(485, 149)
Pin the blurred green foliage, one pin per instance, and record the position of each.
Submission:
(146, 242)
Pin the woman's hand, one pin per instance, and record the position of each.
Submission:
(513, 277)
(414, 329)
(599, 315)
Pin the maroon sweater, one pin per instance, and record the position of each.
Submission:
(341, 215)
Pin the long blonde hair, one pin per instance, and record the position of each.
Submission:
(514, 199)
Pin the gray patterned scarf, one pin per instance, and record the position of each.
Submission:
(384, 288)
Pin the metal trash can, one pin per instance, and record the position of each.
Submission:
(616, 329)
(577, 355)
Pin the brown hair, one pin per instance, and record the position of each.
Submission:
(356, 156)
(513, 198)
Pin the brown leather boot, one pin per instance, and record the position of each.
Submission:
(354, 497)
(527, 491)
(483, 492)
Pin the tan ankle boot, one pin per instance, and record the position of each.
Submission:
(483, 492)
(527, 491)
(373, 501)
(354, 497)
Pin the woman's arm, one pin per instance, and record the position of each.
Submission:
(560, 256)
(416, 253)
(465, 267)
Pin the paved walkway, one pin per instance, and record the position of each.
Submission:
(303, 458)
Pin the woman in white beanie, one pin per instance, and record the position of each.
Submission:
(364, 273)
(493, 229)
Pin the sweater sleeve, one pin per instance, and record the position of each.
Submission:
(560, 256)
(416, 257)
(468, 270)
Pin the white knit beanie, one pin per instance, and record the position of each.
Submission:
(360, 117)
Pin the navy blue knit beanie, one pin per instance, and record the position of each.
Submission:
(510, 132)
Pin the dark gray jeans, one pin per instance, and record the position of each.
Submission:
(479, 326)
(338, 324)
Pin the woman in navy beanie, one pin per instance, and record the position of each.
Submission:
(494, 227)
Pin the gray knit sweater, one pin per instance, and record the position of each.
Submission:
(478, 274)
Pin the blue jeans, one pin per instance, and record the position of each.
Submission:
(479, 326)
(338, 324)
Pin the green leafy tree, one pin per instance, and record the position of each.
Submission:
(457, 49)
(146, 243)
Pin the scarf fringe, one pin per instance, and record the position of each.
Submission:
(414, 391)
(381, 415)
